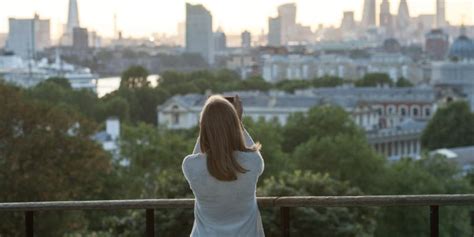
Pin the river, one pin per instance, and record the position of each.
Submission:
(109, 84)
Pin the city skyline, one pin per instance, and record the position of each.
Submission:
(233, 17)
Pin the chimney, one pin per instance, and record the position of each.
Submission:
(113, 127)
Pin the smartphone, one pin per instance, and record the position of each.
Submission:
(230, 99)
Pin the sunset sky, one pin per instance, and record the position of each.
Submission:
(143, 17)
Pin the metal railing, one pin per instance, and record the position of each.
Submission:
(284, 203)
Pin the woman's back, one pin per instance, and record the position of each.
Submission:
(225, 208)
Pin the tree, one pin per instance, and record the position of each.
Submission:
(327, 81)
(326, 140)
(134, 77)
(374, 80)
(426, 176)
(270, 135)
(402, 82)
(451, 126)
(46, 155)
(61, 81)
(340, 221)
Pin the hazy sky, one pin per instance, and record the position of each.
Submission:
(143, 17)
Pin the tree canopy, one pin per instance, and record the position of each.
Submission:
(451, 126)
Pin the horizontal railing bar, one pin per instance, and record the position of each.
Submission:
(296, 201)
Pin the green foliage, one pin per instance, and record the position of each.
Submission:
(374, 80)
(269, 134)
(451, 126)
(292, 85)
(403, 82)
(340, 221)
(63, 82)
(426, 176)
(46, 155)
(326, 140)
(134, 77)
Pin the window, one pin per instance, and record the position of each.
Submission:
(415, 112)
(175, 115)
(427, 112)
(403, 111)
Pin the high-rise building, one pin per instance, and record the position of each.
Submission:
(274, 31)
(27, 36)
(246, 39)
(287, 15)
(385, 16)
(436, 44)
(80, 38)
(220, 41)
(348, 22)
(440, 13)
(73, 16)
(199, 35)
(403, 16)
(368, 15)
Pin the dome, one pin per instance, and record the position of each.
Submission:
(462, 48)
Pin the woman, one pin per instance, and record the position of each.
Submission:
(223, 172)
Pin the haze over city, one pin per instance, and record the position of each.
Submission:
(143, 17)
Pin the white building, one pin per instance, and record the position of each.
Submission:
(400, 141)
(27, 36)
(393, 105)
(288, 67)
(110, 137)
(182, 112)
(199, 34)
(455, 75)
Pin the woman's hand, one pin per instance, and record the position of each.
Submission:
(238, 106)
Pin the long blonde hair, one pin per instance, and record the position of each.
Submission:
(221, 134)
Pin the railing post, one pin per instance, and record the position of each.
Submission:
(434, 221)
(29, 223)
(150, 222)
(285, 221)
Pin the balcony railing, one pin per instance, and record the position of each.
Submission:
(284, 203)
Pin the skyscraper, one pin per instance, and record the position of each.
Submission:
(403, 17)
(220, 40)
(73, 16)
(27, 36)
(386, 16)
(287, 15)
(199, 35)
(80, 38)
(246, 40)
(368, 15)
(348, 22)
(274, 31)
(440, 13)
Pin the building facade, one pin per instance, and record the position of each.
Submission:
(199, 34)
(436, 44)
(28, 36)
(80, 38)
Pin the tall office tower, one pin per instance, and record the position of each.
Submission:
(287, 15)
(80, 38)
(27, 36)
(274, 31)
(348, 22)
(440, 13)
(403, 17)
(199, 35)
(220, 40)
(73, 16)
(246, 40)
(368, 15)
(386, 16)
